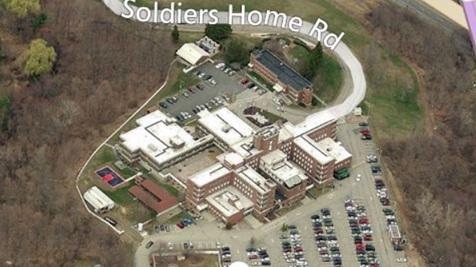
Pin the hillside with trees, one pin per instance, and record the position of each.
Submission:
(55, 108)
(435, 168)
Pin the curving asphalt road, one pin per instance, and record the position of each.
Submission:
(342, 51)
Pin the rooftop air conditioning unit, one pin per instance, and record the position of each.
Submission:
(152, 147)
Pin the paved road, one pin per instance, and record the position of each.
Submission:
(449, 14)
(342, 51)
(205, 233)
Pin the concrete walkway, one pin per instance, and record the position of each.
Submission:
(342, 51)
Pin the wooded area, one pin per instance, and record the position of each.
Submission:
(105, 67)
(436, 169)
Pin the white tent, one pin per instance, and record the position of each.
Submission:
(98, 200)
(191, 53)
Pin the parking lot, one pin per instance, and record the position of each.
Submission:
(360, 187)
(189, 98)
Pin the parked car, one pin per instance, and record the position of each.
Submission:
(163, 105)
(149, 244)
(110, 220)
(372, 158)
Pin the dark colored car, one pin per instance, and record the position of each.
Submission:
(149, 244)
(110, 220)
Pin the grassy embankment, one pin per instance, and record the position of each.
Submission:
(392, 96)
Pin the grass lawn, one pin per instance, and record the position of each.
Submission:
(190, 37)
(178, 81)
(271, 116)
(105, 156)
(261, 80)
(121, 196)
(177, 218)
(392, 99)
(191, 260)
(328, 80)
(170, 188)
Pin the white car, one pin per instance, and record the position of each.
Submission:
(219, 65)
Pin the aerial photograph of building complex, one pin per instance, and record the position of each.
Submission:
(304, 133)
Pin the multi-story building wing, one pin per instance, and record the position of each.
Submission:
(284, 78)
(159, 142)
(260, 170)
(290, 179)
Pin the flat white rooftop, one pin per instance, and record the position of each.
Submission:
(96, 198)
(229, 201)
(160, 138)
(255, 180)
(245, 148)
(283, 170)
(233, 158)
(227, 126)
(311, 122)
(209, 174)
(191, 53)
(334, 149)
(313, 149)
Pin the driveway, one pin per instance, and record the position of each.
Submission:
(205, 234)
(226, 85)
(342, 51)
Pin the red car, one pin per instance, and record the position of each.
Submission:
(244, 81)
(365, 131)
(368, 237)
(359, 247)
(363, 221)
(180, 225)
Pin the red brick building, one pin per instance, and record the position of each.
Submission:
(277, 72)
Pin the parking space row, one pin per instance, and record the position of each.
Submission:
(325, 238)
(362, 233)
(292, 248)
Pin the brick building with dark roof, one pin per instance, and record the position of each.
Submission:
(277, 72)
(152, 195)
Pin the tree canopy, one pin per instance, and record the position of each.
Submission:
(218, 32)
(236, 52)
(40, 58)
(314, 62)
(21, 8)
(175, 34)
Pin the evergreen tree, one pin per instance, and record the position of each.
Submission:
(175, 34)
(218, 32)
(236, 52)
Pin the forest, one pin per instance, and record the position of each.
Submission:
(51, 123)
(435, 168)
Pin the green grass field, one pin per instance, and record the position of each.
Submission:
(328, 80)
(392, 99)
(179, 81)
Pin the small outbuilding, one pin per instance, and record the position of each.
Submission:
(192, 53)
(98, 200)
